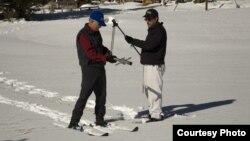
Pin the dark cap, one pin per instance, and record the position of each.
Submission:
(151, 13)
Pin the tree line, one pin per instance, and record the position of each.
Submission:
(23, 9)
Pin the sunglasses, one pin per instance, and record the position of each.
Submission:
(149, 18)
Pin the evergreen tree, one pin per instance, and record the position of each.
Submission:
(20, 8)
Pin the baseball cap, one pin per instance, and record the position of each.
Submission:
(151, 13)
(98, 16)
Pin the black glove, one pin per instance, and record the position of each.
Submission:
(129, 39)
(107, 52)
(111, 58)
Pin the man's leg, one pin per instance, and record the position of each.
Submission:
(100, 92)
(86, 90)
(153, 83)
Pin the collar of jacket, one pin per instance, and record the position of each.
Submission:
(155, 26)
(89, 30)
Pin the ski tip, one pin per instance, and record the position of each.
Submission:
(135, 129)
(105, 134)
(90, 134)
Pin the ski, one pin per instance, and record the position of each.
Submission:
(144, 120)
(125, 128)
(92, 132)
(140, 121)
(85, 129)
(113, 126)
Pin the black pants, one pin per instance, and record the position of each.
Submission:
(93, 80)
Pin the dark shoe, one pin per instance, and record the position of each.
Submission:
(75, 127)
(101, 123)
(149, 116)
(156, 119)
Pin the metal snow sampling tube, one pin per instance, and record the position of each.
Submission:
(123, 60)
(116, 24)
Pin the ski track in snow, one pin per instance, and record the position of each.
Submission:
(19, 86)
(60, 119)
(33, 107)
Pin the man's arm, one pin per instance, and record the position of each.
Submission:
(150, 43)
(90, 51)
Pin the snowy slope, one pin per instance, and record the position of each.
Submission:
(206, 81)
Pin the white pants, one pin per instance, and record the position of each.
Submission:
(152, 88)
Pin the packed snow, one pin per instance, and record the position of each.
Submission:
(206, 81)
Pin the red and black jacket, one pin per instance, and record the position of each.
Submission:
(90, 49)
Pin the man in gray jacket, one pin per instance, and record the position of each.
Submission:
(152, 58)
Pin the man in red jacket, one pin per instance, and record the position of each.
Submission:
(92, 59)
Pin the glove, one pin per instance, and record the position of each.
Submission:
(111, 58)
(108, 52)
(129, 39)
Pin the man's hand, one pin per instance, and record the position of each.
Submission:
(108, 52)
(129, 39)
(111, 58)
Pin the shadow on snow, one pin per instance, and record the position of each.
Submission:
(188, 108)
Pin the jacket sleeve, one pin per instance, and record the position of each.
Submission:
(90, 51)
(106, 51)
(151, 42)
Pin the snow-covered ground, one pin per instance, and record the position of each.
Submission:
(206, 81)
